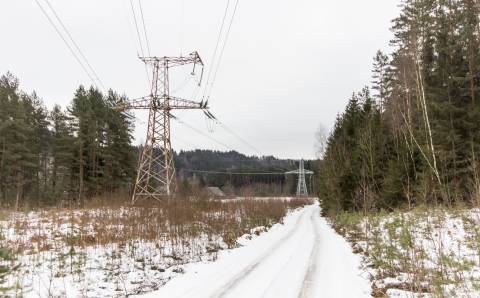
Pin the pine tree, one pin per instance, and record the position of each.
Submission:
(62, 153)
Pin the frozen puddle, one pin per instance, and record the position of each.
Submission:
(304, 257)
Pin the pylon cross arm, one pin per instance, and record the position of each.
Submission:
(134, 104)
(174, 103)
(192, 58)
(186, 104)
(296, 172)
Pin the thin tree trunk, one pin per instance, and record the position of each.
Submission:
(45, 170)
(470, 69)
(2, 165)
(81, 174)
(19, 189)
(426, 118)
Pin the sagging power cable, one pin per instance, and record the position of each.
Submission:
(139, 36)
(70, 48)
(214, 55)
(144, 27)
(233, 173)
(236, 135)
(222, 52)
(75, 44)
(203, 134)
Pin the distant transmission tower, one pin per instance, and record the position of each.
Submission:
(302, 183)
(156, 170)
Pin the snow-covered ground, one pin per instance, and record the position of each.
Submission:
(117, 252)
(304, 257)
(423, 253)
(82, 253)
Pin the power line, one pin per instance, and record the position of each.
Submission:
(233, 173)
(233, 133)
(136, 27)
(144, 27)
(187, 143)
(229, 130)
(74, 43)
(65, 41)
(216, 48)
(223, 50)
(204, 134)
(139, 38)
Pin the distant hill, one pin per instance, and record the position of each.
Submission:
(211, 168)
(209, 160)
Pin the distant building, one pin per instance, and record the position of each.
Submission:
(215, 191)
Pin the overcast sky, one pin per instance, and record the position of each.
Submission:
(288, 65)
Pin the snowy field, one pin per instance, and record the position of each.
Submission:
(423, 253)
(123, 251)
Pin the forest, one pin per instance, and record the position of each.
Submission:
(413, 137)
(69, 156)
(73, 154)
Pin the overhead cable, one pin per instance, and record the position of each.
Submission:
(204, 134)
(139, 37)
(138, 30)
(212, 62)
(66, 42)
(222, 51)
(144, 28)
(75, 44)
(233, 173)
(236, 135)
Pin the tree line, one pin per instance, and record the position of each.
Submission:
(48, 156)
(68, 156)
(414, 136)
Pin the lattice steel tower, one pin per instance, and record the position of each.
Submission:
(156, 170)
(302, 184)
(302, 190)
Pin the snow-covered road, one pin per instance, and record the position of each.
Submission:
(303, 257)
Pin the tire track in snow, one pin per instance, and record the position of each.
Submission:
(253, 265)
(282, 271)
(312, 263)
(241, 276)
(285, 261)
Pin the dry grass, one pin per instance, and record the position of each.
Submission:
(171, 220)
(132, 249)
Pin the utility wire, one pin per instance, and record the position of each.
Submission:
(219, 142)
(139, 38)
(204, 134)
(223, 50)
(136, 27)
(66, 42)
(236, 135)
(233, 173)
(212, 62)
(144, 28)
(187, 143)
(75, 44)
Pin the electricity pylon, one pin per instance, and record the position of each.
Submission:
(302, 183)
(156, 170)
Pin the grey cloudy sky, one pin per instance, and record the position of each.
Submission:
(288, 65)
